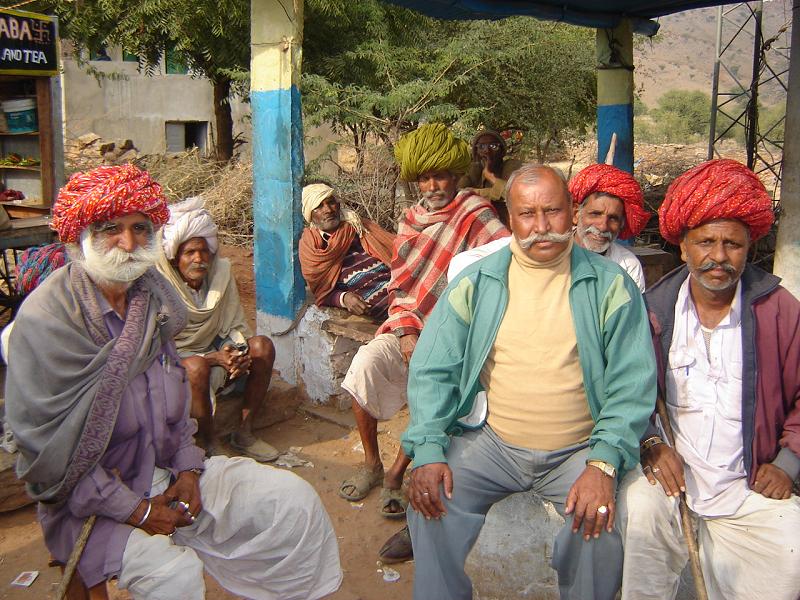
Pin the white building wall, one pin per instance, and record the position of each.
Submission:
(132, 105)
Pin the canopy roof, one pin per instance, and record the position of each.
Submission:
(578, 12)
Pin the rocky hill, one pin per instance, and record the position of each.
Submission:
(681, 56)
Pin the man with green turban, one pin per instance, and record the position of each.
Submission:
(443, 223)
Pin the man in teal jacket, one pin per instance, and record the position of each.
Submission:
(542, 353)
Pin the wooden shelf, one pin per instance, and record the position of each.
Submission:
(29, 134)
(19, 168)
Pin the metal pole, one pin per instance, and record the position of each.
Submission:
(712, 122)
(787, 253)
(752, 106)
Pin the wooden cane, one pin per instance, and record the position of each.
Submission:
(686, 518)
(74, 557)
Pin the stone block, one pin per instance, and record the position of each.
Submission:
(511, 559)
(280, 405)
(655, 262)
(12, 490)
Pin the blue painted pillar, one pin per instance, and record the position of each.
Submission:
(276, 46)
(615, 93)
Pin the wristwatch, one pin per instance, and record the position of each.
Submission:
(605, 467)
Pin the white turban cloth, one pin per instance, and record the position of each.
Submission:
(315, 194)
(188, 219)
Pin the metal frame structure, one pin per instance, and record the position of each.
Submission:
(740, 104)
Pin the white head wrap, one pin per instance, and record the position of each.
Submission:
(315, 194)
(188, 219)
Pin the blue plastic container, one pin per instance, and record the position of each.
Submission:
(21, 115)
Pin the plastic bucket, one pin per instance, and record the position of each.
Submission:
(21, 115)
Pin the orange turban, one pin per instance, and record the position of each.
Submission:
(716, 189)
(613, 182)
(105, 193)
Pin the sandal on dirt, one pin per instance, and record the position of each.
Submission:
(390, 498)
(362, 481)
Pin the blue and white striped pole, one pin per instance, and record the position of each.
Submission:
(615, 94)
(276, 51)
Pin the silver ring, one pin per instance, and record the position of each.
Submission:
(601, 510)
(655, 469)
(425, 494)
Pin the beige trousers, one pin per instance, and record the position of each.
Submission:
(378, 376)
(753, 554)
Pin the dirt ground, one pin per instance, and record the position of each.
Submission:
(333, 450)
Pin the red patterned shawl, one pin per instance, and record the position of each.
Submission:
(425, 243)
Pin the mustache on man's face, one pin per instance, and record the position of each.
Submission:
(538, 238)
(709, 265)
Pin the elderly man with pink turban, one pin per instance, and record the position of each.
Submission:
(609, 205)
(99, 406)
(727, 343)
(216, 346)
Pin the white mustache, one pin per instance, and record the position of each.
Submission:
(591, 229)
(538, 238)
(116, 265)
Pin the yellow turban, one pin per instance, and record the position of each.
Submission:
(431, 147)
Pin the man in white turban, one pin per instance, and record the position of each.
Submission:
(216, 346)
(345, 259)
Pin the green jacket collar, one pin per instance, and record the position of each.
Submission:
(496, 265)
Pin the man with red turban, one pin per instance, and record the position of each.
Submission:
(609, 205)
(727, 342)
(98, 403)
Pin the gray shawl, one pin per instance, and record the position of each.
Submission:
(66, 374)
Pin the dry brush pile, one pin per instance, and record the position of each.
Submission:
(226, 187)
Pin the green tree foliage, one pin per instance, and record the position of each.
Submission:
(533, 76)
(211, 38)
(681, 116)
(374, 69)
(371, 68)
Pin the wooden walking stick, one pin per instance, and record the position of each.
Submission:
(686, 518)
(74, 557)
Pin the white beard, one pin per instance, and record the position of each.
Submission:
(116, 266)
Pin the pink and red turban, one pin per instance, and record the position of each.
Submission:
(106, 193)
(613, 182)
(716, 189)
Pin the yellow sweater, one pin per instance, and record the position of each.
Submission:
(533, 375)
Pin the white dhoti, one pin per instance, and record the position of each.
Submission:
(263, 534)
(378, 376)
(751, 555)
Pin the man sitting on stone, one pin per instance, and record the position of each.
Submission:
(541, 352)
(216, 346)
(98, 403)
(610, 205)
(345, 259)
(430, 233)
(727, 340)
(490, 169)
